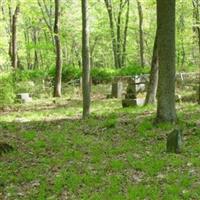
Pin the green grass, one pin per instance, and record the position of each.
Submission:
(116, 154)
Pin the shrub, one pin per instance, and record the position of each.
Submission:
(133, 70)
(27, 75)
(51, 72)
(99, 74)
(7, 94)
(103, 74)
(23, 80)
(70, 73)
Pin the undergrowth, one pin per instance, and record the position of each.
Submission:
(115, 154)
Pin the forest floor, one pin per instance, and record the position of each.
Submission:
(116, 154)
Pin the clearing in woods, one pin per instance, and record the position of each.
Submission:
(115, 154)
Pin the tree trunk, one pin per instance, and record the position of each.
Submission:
(166, 52)
(112, 30)
(28, 53)
(58, 77)
(86, 84)
(119, 53)
(9, 29)
(125, 34)
(36, 59)
(47, 17)
(153, 83)
(14, 37)
(92, 49)
(180, 32)
(141, 33)
(196, 28)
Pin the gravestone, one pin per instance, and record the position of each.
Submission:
(117, 89)
(131, 94)
(24, 97)
(175, 141)
(136, 85)
(140, 83)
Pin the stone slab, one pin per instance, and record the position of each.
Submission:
(132, 102)
(24, 97)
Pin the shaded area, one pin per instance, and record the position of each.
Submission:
(51, 105)
(4, 148)
(118, 154)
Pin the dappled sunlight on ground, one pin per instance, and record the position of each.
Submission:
(115, 154)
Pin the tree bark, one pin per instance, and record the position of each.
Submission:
(86, 84)
(166, 52)
(153, 83)
(141, 33)
(47, 17)
(14, 37)
(196, 28)
(58, 77)
(36, 59)
(28, 53)
(118, 45)
(125, 34)
(119, 53)
(112, 30)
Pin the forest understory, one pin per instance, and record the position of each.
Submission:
(117, 153)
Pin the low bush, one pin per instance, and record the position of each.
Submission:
(99, 74)
(70, 73)
(133, 70)
(103, 75)
(32, 80)
(7, 94)
(29, 75)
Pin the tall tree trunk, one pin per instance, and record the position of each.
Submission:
(86, 85)
(58, 77)
(112, 30)
(125, 34)
(14, 37)
(180, 32)
(153, 83)
(141, 33)
(196, 28)
(28, 53)
(36, 59)
(166, 52)
(92, 49)
(47, 17)
(9, 29)
(119, 53)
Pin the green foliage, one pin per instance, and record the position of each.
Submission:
(7, 94)
(100, 74)
(115, 154)
(29, 136)
(18, 81)
(70, 73)
(188, 68)
(110, 123)
(133, 70)
(30, 81)
(142, 191)
(27, 75)
(41, 40)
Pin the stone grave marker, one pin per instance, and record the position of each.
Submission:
(117, 89)
(136, 85)
(24, 97)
